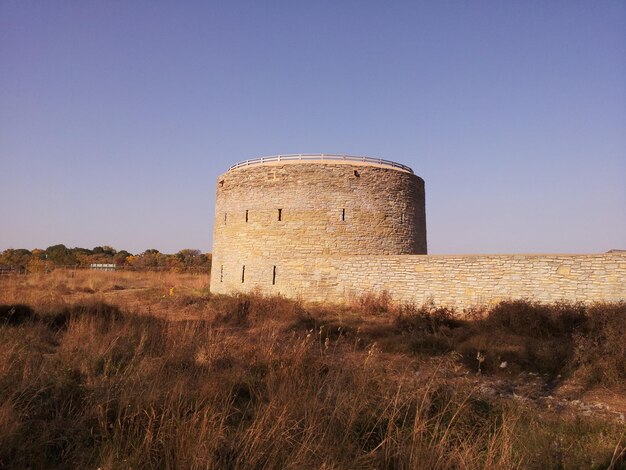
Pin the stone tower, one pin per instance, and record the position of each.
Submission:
(307, 207)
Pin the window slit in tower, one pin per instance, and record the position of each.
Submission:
(280, 215)
(224, 218)
(274, 276)
(343, 215)
(246, 215)
(222, 273)
(401, 217)
(243, 273)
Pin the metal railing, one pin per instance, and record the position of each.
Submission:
(319, 157)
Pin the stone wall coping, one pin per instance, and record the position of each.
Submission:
(484, 255)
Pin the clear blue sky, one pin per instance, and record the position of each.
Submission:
(117, 117)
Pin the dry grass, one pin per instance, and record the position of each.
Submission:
(97, 380)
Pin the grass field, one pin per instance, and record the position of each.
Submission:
(148, 370)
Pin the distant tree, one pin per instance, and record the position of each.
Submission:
(39, 265)
(188, 256)
(148, 259)
(121, 256)
(81, 251)
(18, 258)
(109, 250)
(60, 255)
(39, 260)
(205, 260)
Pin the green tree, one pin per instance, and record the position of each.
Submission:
(60, 255)
(15, 257)
(120, 257)
(188, 256)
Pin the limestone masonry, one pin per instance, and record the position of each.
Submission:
(331, 228)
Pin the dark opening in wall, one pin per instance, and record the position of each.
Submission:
(243, 273)
(280, 215)
(401, 217)
(357, 174)
(221, 183)
(343, 215)
(222, 273)
(246, 215)
(274, 276)
(224, 218)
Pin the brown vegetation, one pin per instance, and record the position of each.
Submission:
(122, 370)
(59, 256)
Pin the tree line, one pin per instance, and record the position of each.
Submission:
(55, 256)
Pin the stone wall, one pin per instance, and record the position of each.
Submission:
(331, 231)
(455, 281)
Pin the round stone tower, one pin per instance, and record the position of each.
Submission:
(309, 206)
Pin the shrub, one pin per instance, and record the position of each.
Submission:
(535, 320)
(373, 303)
(16, 314)
(523, 335)
(429, 328)
(600, 345)
(244, 310)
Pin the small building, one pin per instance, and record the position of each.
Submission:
(103, 266)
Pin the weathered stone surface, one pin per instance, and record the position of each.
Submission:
(278, 212)
(452, 280)
(341, 235)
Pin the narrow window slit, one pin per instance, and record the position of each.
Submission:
(246, 215)
(280, 215)
(343, 215)
(243, 273)
(401, 217)
(274, 276)
(222, 273)
(224, 218)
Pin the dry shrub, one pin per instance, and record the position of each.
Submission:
(600, 345)
(534, 319)
(373, 303)
(525, 335)
(232, 310)
(186, 300)
(274, 307)
(58, 316)
(426, 319)
(553, 339)
(431, 329)
(244, 310)
(16, 314)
